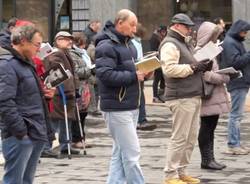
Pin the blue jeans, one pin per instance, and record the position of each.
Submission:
(124, 165)
(59, 126)
(238, 98)
(21, 158)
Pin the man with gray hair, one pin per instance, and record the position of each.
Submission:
(22, 107)
(119, 87)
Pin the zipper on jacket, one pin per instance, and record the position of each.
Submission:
(139, 83)
(122, 93)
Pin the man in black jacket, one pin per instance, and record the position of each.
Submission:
(22, 107)
(119, 86)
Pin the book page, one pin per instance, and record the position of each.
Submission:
(229, 70)
(209, 51)
(149, 64)
(46, 50)
(150, 54)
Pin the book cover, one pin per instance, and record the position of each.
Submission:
(45, 50)
(148, 64)
(55, 75)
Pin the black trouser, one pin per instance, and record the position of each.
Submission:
(76, 134)
(142, 111)
(158, 78)
(206, 136)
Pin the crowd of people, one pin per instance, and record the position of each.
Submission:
(102, 71)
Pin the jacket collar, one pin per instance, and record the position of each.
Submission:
(16, 55)
(113, 34)
(175, 34)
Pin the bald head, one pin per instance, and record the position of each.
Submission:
(126, 22)
(123, 15)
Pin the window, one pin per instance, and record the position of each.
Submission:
(80, 14)
(206, 10)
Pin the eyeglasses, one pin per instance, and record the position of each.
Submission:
(37, 45)
(65, 38)
(187, 27)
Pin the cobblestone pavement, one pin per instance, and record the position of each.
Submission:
(92, 168)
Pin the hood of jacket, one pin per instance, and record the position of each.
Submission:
(4, 53)
(237, 27)
(109, 32)
(9, 52)
(5, 38)
(206, 32)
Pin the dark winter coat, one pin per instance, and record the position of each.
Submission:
(234, 55)
(115, 71)
(22, 103)
(90, 34)
(63, 57)
(155, 41)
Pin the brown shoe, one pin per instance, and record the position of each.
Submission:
(157, 100)
(146, 127)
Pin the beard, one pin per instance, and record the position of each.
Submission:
(239, 38)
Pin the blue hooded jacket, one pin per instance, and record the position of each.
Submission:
(22, 103)
(234, 55)
(115, 71)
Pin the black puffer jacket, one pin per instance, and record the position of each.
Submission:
(234, 55)
(22, 104)
(115, 71)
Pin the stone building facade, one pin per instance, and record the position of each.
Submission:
(74, 15)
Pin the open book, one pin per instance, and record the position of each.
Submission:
(209, 51)
(148, 64)
(150, 54)
(229, 70)
(45, 50)
(55, 75)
